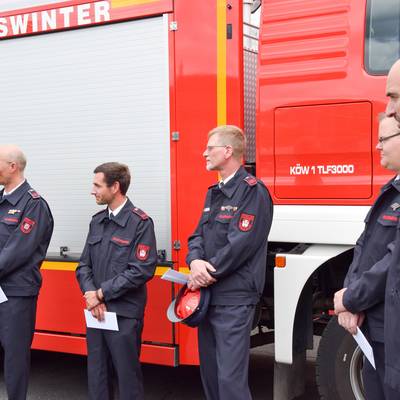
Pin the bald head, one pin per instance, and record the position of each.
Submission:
(393, 91)
(12, 165)
(12, 153)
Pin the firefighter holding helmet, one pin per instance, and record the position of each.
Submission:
(227, 255)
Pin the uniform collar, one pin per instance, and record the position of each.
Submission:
(15, 188)
(17, 194)
(118, 209)
(395, 183)
(230, 187)
(226, 180)
(122, 218)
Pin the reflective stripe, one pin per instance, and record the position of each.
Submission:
(71, 266)
(221, 62)
(127, 3)
(59, 266)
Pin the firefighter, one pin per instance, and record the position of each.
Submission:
(392, 295)
(25, 232)
(118, 259)
(361, 302)
(227, 253)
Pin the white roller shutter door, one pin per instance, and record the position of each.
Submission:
(78, 98)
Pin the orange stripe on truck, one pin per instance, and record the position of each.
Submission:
(71, 266)
(127, 3)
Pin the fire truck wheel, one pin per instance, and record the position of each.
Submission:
(339, 363)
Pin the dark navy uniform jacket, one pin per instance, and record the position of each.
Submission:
(26, 226)
(120, 257)
(232, 236)
(366, 278)
(392, 319)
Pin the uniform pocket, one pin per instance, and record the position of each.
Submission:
(7, 226)
(221, 232)
(92, 240)
(94, 246)
(120, 249)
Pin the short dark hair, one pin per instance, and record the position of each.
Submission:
(115, 172)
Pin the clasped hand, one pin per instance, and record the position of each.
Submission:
(199, 274)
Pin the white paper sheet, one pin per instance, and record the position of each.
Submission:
(365, 346)
(3, 297)
(175, 276)
(109, 323)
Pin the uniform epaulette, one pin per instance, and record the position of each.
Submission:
(251, 180)
(140, 212)
(34, 194)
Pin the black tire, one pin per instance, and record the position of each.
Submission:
(339, 363)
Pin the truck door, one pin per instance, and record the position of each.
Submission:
(323, 151)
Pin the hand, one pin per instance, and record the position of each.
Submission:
(192, 286)
(98, 311)
(350, 321)
(100, 295)
(338, 301)
(199, 274)
(92, 299)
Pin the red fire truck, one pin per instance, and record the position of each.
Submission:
(142, 82)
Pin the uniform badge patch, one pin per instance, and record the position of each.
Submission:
(229, 208)
(395, 206)
(13, 212)
(27, 225)
(142, 252)
(225, 216)
(120, 240)
(390, 218)
(10, 219)
(246, 222)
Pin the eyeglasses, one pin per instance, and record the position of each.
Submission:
(383, 139)
(209, 148)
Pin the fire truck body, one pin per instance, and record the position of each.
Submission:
(321, 78)
(142, 82)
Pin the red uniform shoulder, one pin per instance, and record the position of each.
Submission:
(251, 180)
(140, 212)
(34, 194)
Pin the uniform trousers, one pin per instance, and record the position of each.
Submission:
(224, 345)
(115, 351)
(17, 325)
(374, 380)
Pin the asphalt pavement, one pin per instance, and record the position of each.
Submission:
(56, 376)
